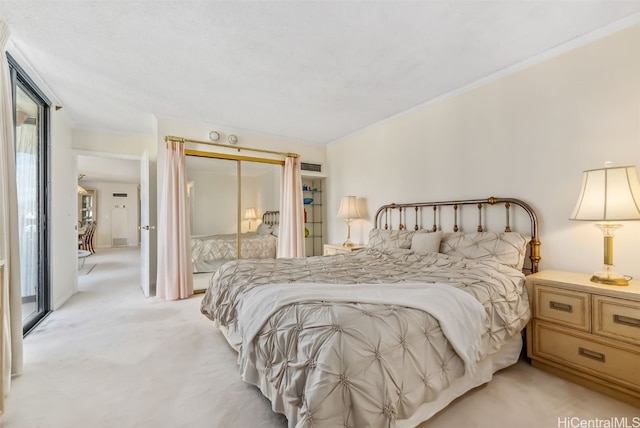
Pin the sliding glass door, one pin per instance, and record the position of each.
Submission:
(31, 151)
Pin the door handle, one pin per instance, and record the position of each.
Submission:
(147, 227)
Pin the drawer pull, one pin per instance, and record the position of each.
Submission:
(631, 322)
(591, 354)
(560, 306)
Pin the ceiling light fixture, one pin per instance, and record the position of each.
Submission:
(214, 135)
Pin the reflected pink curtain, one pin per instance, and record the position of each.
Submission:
(291, 237)
(175, 273)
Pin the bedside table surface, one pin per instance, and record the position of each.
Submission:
(333, 249)
(342, 247)
(582, 282)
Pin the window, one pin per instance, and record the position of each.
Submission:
(32, 175)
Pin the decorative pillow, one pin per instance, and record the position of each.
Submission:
(264, 229)
(383, 239)
(507, 248)
(423, 243)
(275, 229)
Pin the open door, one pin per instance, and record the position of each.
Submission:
(147, 228)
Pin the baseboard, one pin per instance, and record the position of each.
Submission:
(61, 301)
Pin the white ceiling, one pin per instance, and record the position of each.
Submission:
(311, 71)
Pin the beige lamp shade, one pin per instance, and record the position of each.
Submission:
(348, 208)
(250, 214)
(609, 194)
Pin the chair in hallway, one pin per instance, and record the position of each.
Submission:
(86, 240)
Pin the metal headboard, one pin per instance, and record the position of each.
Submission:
(421, 209)
(271, 218)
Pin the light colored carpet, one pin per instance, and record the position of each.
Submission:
(111, 358)
(88, 267)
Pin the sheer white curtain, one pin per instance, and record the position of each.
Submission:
(10, 300)
(175, 272)
(26, 181)
(291, 237)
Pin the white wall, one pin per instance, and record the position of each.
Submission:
(528, 135)
(214, 202)
(63, 187)
(215, 198)
(106, 203)
(105, 143)
(267, 193)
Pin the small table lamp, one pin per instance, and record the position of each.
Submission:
(609, 195)
(250, 214)
(348, 211)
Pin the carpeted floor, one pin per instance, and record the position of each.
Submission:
(111, 358)
(86, 268)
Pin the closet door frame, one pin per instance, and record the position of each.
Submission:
(239, 159)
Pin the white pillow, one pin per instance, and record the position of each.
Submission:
(508, 248)
(384, 239)
(264, 229)
(423, 243)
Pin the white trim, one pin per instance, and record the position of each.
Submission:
(17, 54)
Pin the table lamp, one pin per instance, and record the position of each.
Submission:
(250, 214)
(608, 196)
(348, 211)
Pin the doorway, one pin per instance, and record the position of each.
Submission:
(109, 198)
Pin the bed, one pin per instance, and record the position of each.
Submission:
(209, 252)
(389, 335)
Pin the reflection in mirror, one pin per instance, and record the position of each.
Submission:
(220, 193)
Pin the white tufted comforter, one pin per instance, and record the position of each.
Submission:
(361, 364)
(208, 252)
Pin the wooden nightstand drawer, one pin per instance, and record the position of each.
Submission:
(617, 319)
(579, 351)
(571, 308)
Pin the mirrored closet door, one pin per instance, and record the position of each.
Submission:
(234, 203)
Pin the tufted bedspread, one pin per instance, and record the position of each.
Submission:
(209, 252)
(361, 364)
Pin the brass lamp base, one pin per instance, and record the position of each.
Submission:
(609, 279)
(608, 275)
(348, 243)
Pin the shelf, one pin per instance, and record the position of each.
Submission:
(315, 212)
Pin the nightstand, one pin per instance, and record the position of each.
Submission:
(331, 249)
(586, 332)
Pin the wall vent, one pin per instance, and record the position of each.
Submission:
(314, 167)
(120, 195)
(119, 242)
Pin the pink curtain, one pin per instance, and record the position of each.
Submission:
(291, 237)
(175, 273)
